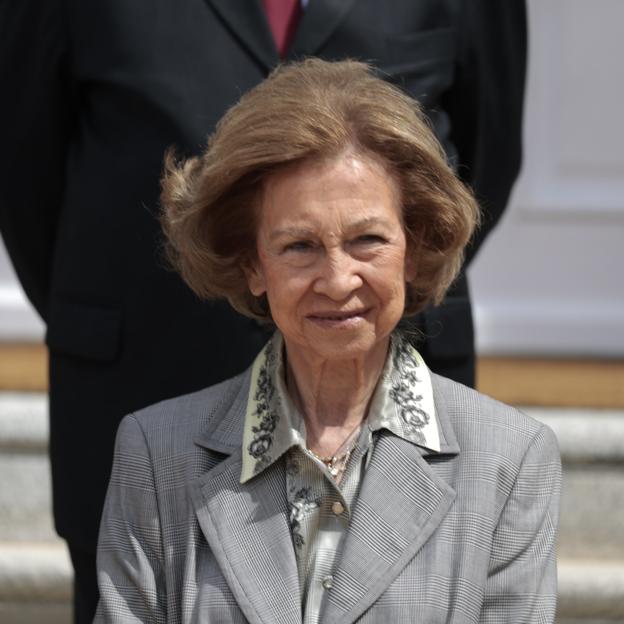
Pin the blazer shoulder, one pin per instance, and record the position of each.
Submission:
(482, 423)
(180, 419)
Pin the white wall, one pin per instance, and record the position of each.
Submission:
(550, 280)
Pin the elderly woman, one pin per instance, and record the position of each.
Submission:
(337, 480)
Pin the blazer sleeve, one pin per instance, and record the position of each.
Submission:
(35, 116)
(522, 579)
(485, 103)
(130, 569)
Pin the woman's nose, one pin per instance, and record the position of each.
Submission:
(338, 275)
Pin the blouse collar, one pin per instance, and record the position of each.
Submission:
(402, 403)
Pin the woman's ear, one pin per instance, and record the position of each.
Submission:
(410, 264)
(255, 278)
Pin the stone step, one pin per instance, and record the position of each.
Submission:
(23, 421)
(35, 571)
(590, 591)
(35, 583)
(592, 502)
(25, 492)
(35, 586)
(585, 436)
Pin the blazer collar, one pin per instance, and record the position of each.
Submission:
(448, 439)
(224, 433)
(248, 23)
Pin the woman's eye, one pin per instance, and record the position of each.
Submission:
(370, 239)
(299, 246)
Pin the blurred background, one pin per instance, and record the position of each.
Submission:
(548, 289)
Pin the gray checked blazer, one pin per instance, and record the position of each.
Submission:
(463, 535)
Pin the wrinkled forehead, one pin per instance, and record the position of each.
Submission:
(358, 161)
(344, 187)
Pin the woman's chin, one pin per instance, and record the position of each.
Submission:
(341, 340)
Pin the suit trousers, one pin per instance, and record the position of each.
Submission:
(86, 593)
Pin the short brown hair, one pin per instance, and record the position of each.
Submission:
(311, 110)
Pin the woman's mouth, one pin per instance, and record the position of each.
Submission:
(332, 319)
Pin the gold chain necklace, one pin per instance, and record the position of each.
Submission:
(337, 463)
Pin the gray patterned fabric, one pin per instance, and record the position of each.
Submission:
(462, 535)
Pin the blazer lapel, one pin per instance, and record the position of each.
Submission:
(249, 24)
(401, 503)
(319, 20)
(246, 525)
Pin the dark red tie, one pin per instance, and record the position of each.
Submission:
(283, 16)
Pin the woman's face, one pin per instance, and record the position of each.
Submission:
(331, 252)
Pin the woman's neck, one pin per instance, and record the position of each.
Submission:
(333, 395)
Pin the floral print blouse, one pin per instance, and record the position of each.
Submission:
(320, 509)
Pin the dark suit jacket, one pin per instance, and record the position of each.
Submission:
(94, 92)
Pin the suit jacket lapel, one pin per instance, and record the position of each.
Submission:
(318, 22)
(401, 503)
(246, 525)
(248, 22)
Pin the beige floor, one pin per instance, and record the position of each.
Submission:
(23, 367)
(553, 382)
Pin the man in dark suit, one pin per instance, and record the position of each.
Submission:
(93, 95)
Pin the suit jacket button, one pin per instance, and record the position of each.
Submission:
(328, 582)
